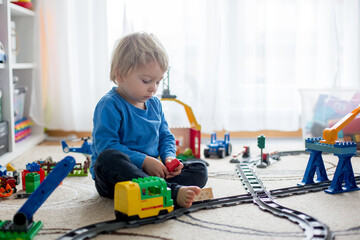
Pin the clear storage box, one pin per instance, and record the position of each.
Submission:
(19, 102)
(323, 108)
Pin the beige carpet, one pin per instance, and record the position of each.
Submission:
(76, 203)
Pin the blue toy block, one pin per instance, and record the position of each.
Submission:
(337, 148)
(315, 163)
(33, 167)
(3, 171)
(343, 173)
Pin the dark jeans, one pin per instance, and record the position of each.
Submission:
(113, 166)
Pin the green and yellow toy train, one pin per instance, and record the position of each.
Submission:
(142, 198)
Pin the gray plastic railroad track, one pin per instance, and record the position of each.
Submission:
(313, 228)
(113, 225)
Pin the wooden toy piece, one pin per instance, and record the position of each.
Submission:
(172, 165)
(205, 194)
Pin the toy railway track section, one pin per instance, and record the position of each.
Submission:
(312, 228)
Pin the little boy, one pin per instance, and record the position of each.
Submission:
(130, 131)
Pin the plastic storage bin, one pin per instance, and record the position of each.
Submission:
(324, 108)
(1, 113)
(4, 143)
(19, 102)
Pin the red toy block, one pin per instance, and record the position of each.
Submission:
(172, 165)
(41, 172)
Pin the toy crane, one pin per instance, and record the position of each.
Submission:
(23, 226)
(344, 150)
(195, 127)
(331, 134)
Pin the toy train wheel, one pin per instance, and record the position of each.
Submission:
(221, 153)
(122, 217)
(162, 213)
(229, 149)
(206, 153)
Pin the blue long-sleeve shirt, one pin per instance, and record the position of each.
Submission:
(121, 126)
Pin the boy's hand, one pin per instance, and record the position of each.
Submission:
(154, 167)
(176, 171)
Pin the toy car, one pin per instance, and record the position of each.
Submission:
(218, 147)
(2, 54)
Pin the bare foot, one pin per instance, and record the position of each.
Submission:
(186, 195)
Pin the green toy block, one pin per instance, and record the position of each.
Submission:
(32, 181)
(155, 186)
(9, 235)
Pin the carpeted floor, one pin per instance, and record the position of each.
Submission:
(76, 203)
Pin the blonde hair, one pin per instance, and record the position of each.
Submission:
(136, 50)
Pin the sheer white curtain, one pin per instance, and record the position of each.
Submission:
(73, 64)
(239, 64)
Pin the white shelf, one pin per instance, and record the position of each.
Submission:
(23, 66)
(18, 11)
(21, 147)
(24, 69)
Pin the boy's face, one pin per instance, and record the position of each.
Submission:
(140, 84)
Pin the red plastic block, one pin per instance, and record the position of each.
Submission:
(172, 165)
(41, 172)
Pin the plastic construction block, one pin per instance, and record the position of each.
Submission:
(337, 148)
(32, 182)
(2, 171)
(315, 164)
(172, 165)
(30, 234)
(343, 174)
(155, 185)
(41, 172)
(33, 167)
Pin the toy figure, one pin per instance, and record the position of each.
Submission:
(130, 131)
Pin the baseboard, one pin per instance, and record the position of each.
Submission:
(61, 133)
(237, 134)
(255, 134)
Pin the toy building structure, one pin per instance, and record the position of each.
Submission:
(32, 168)
(78, 170)
(187, 137)
(351, 132)
(23, 226)
(343, 150)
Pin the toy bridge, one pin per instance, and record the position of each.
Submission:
(344, 150)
